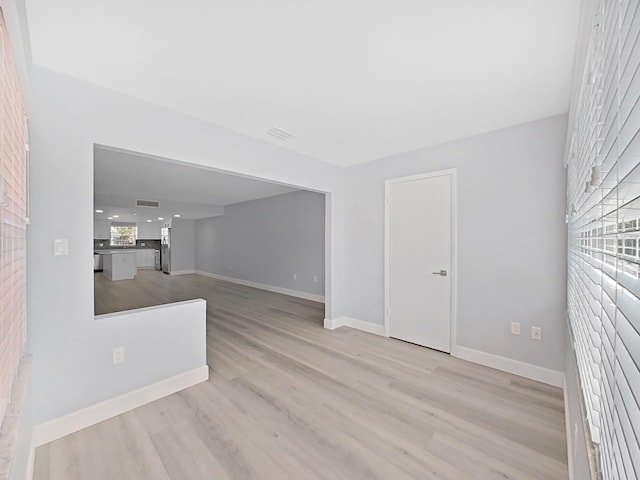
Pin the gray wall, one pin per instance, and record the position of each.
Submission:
(183, 241)
(511, 237)
(267, 241)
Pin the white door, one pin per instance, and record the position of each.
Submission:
(419, 232)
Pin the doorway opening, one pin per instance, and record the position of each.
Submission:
(169, 218)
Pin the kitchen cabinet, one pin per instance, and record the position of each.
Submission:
(149, 231)
(118, 264)
(145, 258)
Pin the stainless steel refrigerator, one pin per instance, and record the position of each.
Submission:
(165, 248)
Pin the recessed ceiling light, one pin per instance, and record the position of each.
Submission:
(160, 218)
(99, 211)
(109, 218)
(177, 215)
(148, 221)
(135, 214)
(116, 216)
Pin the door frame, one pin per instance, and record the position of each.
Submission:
(451, 172)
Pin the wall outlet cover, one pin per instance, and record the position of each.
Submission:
(118, 355)
(536, 333)
(515, 328)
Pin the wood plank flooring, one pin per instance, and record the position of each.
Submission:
(290, 400)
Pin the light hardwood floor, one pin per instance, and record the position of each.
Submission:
(290, 400)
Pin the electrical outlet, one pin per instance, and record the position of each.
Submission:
(315, 279)
(295, 276)
(118, 355)
(536, 333)
(515, 328)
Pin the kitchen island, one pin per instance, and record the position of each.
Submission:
(118, 264)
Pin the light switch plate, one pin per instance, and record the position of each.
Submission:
(60, 246)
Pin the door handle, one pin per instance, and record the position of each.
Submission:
(442, 273)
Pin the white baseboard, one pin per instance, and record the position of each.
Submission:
(354, 323)
(59, 427)
(527, 370)
(264, 286)
(182, 272)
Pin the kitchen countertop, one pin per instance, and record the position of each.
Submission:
(111, 252)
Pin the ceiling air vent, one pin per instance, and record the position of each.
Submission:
(279, 134)
(147, 203)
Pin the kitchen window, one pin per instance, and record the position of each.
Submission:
(123, 234)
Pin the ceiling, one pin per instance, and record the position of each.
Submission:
(121, 178)
(351, 80)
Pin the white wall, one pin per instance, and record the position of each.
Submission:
(183, 244)
(511, 237)
(267, 241)
(102, 230)
(149, 231)
(67, 117)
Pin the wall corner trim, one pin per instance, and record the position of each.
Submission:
(354, 323)
(263, 286)
(75, 421)
(523, 369)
